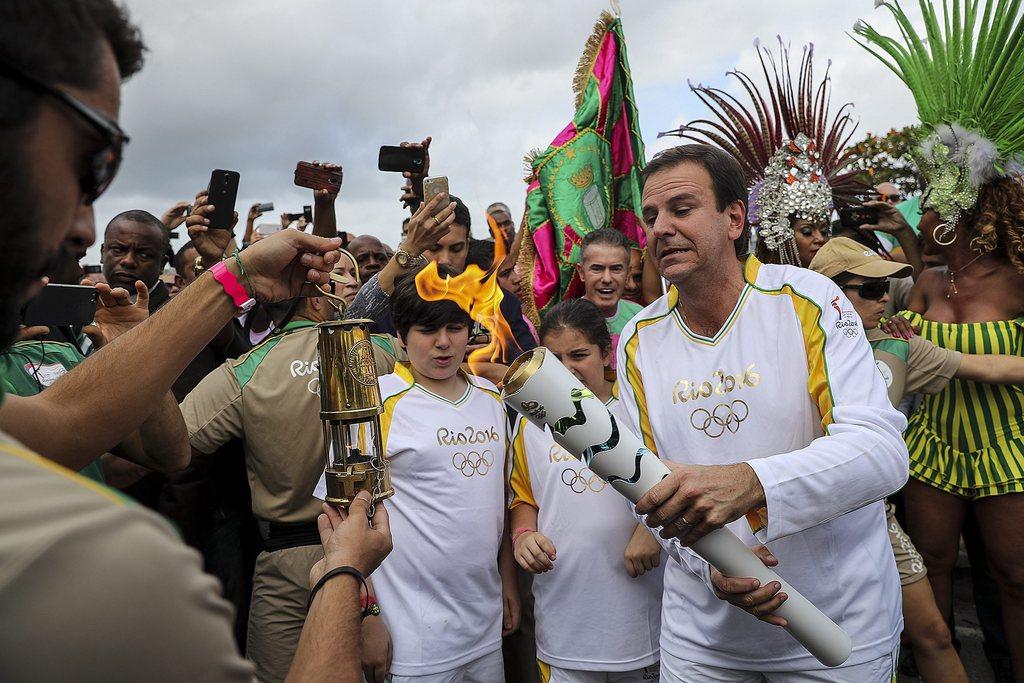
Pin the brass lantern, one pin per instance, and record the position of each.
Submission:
(350, 410)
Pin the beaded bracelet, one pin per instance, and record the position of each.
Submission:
(238, 260)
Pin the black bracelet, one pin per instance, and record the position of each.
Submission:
(335, 572)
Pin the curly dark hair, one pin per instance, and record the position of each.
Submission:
(996, 225)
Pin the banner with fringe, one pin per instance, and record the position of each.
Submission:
(588, 177)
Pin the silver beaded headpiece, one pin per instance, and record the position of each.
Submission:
(793, 186)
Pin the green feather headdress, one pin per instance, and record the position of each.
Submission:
(967, 77)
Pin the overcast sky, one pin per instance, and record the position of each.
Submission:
(257, 85)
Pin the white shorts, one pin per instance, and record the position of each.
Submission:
(881, 670)
(552, 674)
(486, 669)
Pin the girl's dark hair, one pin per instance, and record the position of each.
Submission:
(580, 315)
(408, 308)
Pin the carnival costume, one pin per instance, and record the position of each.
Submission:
(967, 78)
(793, 159)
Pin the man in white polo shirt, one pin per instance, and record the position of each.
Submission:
(756, 384)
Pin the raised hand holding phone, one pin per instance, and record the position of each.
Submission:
(322, 177)
(222, 192)
(210, 242)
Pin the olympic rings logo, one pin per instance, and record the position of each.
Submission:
(473, 462)
(582, 480)
(723, 417)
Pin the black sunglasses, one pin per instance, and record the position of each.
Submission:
(103, 164)
(873, 290)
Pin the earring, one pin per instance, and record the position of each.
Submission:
(946, 229)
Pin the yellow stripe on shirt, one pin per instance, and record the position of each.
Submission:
(519, 478)
(809, 314)
(29, 456)
(636, 381)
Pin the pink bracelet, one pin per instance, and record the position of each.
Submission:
(519, 532)
(232, 287)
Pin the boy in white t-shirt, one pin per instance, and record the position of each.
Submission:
(446, 435)
(599, 574)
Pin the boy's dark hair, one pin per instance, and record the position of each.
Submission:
(408, 308)
(726, 177)
(462, 215)
(480, 253)
(605, 236)
(581, 315)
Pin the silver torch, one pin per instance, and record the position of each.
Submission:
(542, 389)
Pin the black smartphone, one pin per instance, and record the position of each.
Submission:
(61, 305)
(89, 270)
(222, 192)
(401, 159)
(307, 213)
(856, 216)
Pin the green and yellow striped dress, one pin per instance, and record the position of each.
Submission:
(967, 439)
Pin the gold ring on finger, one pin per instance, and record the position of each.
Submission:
(437, 223)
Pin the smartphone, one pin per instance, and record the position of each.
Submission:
(401, 159)
(268, 228)
(434, 186)
(61, 305)
(317, 177)
(222, 192)
(265, 207)
(89, 270)
(856, 216)
(307, 213)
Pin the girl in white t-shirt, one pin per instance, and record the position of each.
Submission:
(598, 584)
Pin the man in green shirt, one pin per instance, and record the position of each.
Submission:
(30, 366)
(33, 364)
(603, 268)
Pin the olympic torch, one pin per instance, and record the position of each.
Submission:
(541, 388)
(350, 408)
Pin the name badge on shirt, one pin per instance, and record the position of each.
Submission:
(46, 374)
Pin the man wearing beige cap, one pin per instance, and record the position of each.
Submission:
(909, 364)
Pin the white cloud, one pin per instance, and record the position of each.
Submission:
(256, 85)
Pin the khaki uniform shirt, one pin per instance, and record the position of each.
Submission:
(269, 398)
(93, 588)
(914, 366)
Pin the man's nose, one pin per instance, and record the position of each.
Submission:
(662, 226)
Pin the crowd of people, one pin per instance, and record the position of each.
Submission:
(847, 397)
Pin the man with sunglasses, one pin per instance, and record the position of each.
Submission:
(91, 588)
(910, 364)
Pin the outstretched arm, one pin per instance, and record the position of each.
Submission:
(133, 371)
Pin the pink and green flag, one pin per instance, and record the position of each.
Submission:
(588, 177)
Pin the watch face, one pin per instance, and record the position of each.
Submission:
(402, 258)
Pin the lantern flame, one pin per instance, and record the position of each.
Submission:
(475, 291)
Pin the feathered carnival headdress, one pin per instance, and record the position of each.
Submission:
(967, 78)
(792, 155)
